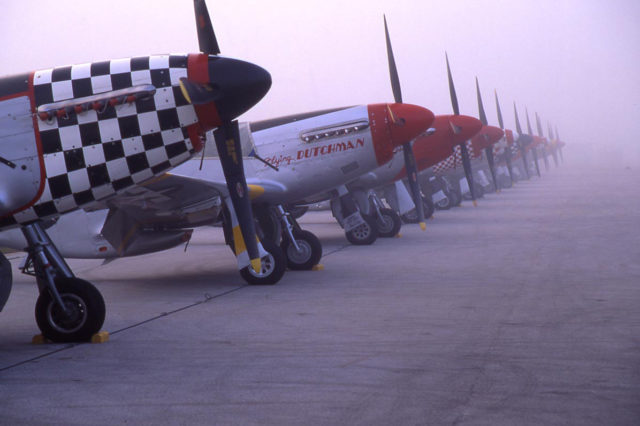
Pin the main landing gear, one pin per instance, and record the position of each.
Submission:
(273, 266)
(68, 309)
(388, 222)
(302, 248)
(412, 216)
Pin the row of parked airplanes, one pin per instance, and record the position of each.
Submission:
(117, 158)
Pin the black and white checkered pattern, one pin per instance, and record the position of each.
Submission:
(94, 154)
(453, 161)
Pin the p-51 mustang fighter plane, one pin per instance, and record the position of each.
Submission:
(75, 136)
(288, 159)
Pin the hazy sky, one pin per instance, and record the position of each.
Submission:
(575, 62)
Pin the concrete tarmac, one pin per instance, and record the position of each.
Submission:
(522, 311)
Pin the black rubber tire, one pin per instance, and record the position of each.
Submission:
(454, 196)
(390, 226)
(311, 250)
(444, 204)
(478, 190)
(504, 182)
(6, 280)
(365, 234)
(87, 311)
(273, 266)
(428, 207)
(268, 222)
(412, 217)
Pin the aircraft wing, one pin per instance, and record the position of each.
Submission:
(157, 211)
(169, 201)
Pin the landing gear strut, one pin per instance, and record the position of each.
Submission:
(68, 309)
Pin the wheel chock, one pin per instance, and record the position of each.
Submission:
(318, 267)
(39, 339)
(100, 337)
(398, 235)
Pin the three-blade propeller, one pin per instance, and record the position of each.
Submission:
(227, 138)
(466, 161)
(409, 157)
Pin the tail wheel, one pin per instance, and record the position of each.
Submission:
(309, 254)
(364, 234)
(272, 269)
(85, 311)
(390, 223)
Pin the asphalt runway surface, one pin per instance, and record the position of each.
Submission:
(522, 311)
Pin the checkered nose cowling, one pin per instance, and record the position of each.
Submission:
(96, 149)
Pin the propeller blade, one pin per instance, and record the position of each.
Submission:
(539, 126)
(535, 148)
(452, 89)
(466, 163)
(393, 71)
(409, 157)
(206, 37)
(489, 150)
(518, 128)
(507, 151)
(481, 113)
(520, 142)
(555, 149)
(544, 148)
(412, 177)
(526, 112)
(227, 139)
(500, 122)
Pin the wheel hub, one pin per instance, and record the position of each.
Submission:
(71, 320)
(267, 266)
(385, 224)
(361, 232)
(299, 256)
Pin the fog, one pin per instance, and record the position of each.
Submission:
(575, 62)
